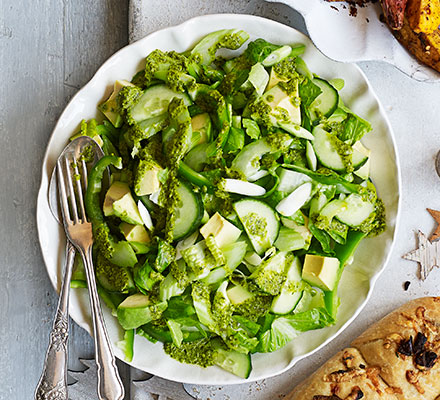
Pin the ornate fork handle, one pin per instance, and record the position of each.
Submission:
(53, 381)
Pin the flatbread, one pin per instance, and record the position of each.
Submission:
(394, 359)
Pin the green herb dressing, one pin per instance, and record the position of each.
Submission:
(199, 352)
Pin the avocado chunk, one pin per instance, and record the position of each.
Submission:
(137, 310)
(115, 192)
(282, 105)
(146, 179)
(238, 294)
(135, 233)
(110, 107)
(274, 79)
(126, 209)
(321, 271)
(223, 231)
(119, 202)
(201, 123)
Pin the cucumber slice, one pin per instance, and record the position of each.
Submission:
(270, 274)
(296, 130)
(189, 213)
(232, 361)
(325, 150)
(333, 208)
(260, 223)
(360, 155)
(309, 300)
(202, 123)
(247, 161)
(123, 254)
(358, 159)
(155, 101)
(234, 254)
(113, 278)
(153, 125)
(327, 102)
(364, 171)
(287, 300)
(197, 157)
(356, 212)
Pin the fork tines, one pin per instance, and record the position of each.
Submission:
(72, 194)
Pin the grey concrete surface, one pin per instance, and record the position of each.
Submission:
(48, 50)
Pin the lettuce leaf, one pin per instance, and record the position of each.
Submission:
(284, 329)
(322, 237)
(308, 92)
(354, 128)
(235, 140)
(259, 49)
(252, 128)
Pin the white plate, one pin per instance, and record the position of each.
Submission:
(357, 280)
(352, 39)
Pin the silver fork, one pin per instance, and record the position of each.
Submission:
(79, 232)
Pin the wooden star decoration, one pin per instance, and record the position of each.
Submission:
(427, 255)
(436, 215)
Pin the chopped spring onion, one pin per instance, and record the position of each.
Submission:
(145, 215)
(243, 187)
(295, 200)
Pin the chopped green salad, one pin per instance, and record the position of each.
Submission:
(239, 191)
